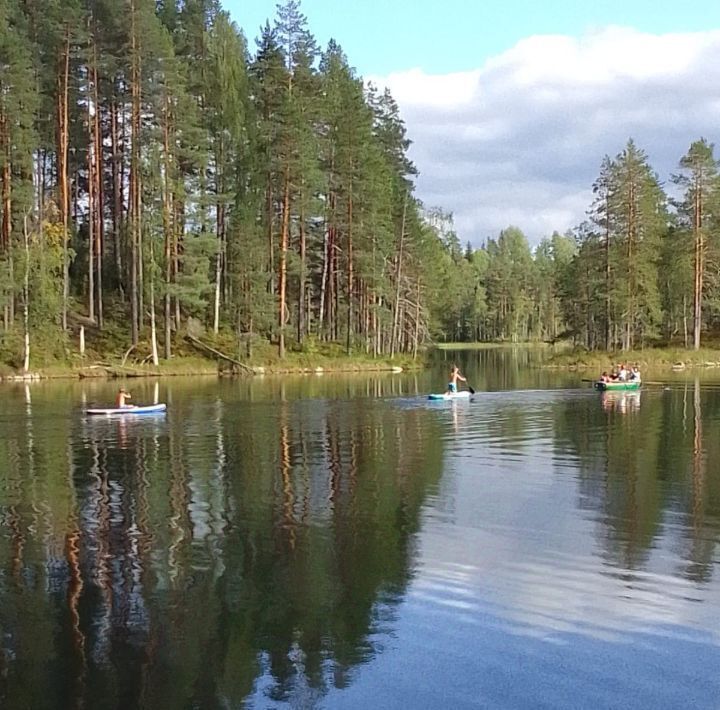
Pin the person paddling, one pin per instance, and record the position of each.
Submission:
(454, 377)
(121, 399)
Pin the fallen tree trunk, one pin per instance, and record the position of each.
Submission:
(202, 347)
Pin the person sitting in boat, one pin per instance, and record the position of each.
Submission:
(454, 377)
(605, 377)
(121, 399)
(635, 374)
(622, 373)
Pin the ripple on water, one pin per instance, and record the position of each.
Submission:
(555, 599)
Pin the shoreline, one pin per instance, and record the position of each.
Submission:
(196, 369)
(675, 359)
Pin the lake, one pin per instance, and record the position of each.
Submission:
(339, 541)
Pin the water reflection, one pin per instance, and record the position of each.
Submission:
(621, 402)
(263, 542)
(180, 559)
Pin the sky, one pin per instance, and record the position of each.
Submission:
(511, 106)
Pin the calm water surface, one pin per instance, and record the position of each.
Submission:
(341, 542)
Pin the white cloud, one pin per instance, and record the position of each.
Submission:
(520, 140)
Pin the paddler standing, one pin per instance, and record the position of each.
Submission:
(454, 377)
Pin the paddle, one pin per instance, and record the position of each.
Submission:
(470, 389)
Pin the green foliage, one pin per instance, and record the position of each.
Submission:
(612, 289)
(19, 102)
(270, 194)
(695, 283)
(194, 284)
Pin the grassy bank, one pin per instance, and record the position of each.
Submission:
(669, 357)
(112, 362)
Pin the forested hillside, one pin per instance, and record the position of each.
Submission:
(154, 168)
(157, 169)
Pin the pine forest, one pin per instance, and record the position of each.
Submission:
(161, 173)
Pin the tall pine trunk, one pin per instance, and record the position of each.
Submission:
(6, 178)
(416, 334)
(26, 299)
(348, 344)
(153, 328)
(220, 228)
(6, 214)
(63, 140)
(117, 203)
(98, 190)
(91, 203)
(282, 265)
(168, 229)
(698, 267)
(270, 217)
(135, 217)
(608, 324)
(398, 277)
(302, 286)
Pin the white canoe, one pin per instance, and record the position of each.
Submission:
(464, 394)
(148, 409)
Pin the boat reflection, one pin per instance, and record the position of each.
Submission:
(622, 402)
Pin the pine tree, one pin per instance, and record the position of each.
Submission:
(228, 114)
(268, 86)
(675, 270)
(390, 134)
(150, 58)
(295, 145)
(602, 214)
(510, 273)
(698, 212)
(18, 102)
(581, 285)
(53, 30)
(301, 152)
(641, 220)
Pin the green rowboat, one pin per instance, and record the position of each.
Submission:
(617, 385)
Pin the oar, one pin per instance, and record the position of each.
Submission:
(470, 389)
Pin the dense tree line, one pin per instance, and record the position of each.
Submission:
(155, 172)
(153, 169)
(644, 268)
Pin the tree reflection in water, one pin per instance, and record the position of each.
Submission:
(178, 560)
(255, 542)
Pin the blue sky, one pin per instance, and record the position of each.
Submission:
(511, 106)
(383, 36)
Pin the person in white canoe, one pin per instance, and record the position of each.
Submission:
(454, 377)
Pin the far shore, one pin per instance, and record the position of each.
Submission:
(676, 359)
(670, 358)
(201, 367)
(562, 356)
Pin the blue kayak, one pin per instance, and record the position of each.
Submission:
(149, 409)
